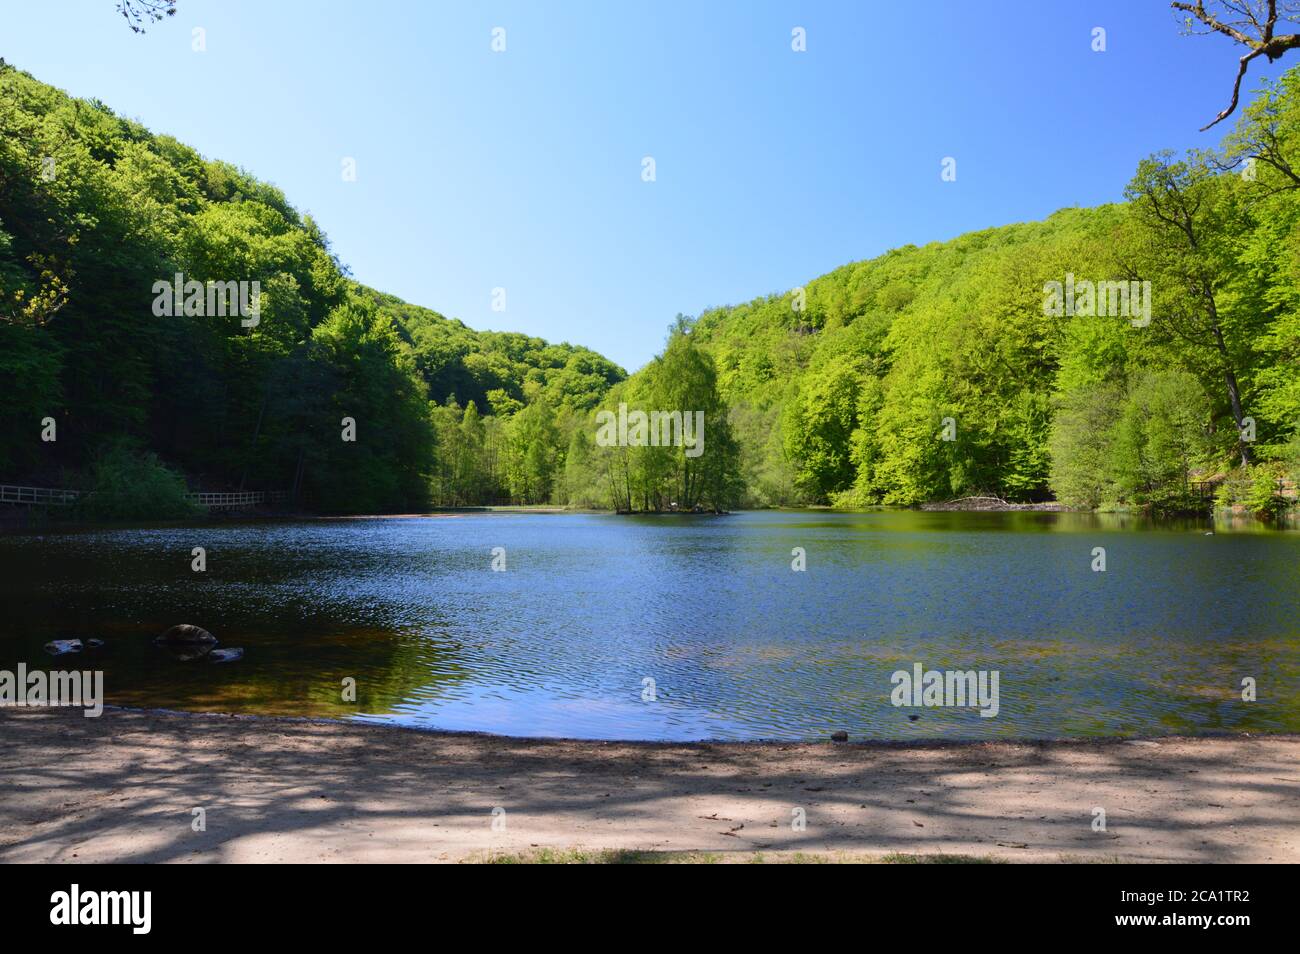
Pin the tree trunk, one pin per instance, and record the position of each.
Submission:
(1230, 381)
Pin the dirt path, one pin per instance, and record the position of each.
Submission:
(123, 788)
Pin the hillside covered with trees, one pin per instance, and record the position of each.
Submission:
(102, 391)
(1170, 366)
(948, 370)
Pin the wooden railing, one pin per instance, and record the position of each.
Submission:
(50, 497)
(37, 496)
(243, 498)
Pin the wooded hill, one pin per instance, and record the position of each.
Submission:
(844, 391)
(924, 374)
(95, 209)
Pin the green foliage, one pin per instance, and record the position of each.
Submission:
(844, 399)
(532, 458)
(129, 485)
(926, 373)
(820, 420)
(858, 385)
(1256, 490)
(1159, 438)
(1265, 497)
(372, 382)
(469, 365)
(1082, 444)
(94, 210)
(695, 466)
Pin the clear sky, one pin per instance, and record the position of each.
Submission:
(523, 169)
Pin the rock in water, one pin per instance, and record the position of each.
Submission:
(94, 644)
(225, 655)
(61, 647)
(840, 736)
(187, 643)
(187, 652)
(185, 634)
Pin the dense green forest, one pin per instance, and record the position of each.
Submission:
(94, 209)
(948, 370)
(1172, 364)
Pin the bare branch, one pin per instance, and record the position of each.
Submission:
(137, 13)
(1236, 90)
(1253, 24)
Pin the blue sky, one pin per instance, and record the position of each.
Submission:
(522, 169)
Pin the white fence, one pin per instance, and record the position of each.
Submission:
(248, 498)
(36, 495)
(48, 496)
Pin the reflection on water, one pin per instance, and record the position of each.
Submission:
(738, 645)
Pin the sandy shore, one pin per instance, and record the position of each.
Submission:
(123, 787)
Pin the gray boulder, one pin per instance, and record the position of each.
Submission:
(186, 635)
(187, 652)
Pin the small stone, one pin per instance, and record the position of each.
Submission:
(61, 647)
(225, 655)
(840, 736)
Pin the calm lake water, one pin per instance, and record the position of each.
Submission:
(739, 646)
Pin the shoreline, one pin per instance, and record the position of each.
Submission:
(851, 742)
(19, 522)
(123, 787)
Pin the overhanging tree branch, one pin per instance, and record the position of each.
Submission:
(1252, 23)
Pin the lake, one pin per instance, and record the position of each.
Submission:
(738, 645)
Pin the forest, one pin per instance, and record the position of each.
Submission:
(925, 374)
(94, 209)
(951, 370)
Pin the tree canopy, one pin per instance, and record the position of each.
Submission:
(1133, 354)
(95, 211)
